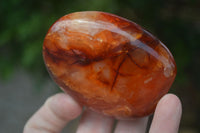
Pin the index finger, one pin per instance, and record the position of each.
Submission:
(56, 112)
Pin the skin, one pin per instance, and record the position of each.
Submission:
(60, 109)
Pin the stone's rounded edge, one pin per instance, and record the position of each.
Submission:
(171, 58)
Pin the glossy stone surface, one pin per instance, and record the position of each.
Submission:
(108, 63)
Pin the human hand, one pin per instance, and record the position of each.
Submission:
(60, 109)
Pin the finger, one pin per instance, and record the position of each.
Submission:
(132, 126)
(167, 115)
(57, 111)
(92, 122)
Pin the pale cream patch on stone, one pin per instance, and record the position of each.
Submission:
(63, 41)
(78, 76)
(98, 66)
(168, 72)
(148, 80)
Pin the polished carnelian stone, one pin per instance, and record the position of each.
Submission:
(108, 63)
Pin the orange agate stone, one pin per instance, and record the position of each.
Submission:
(108, 63)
